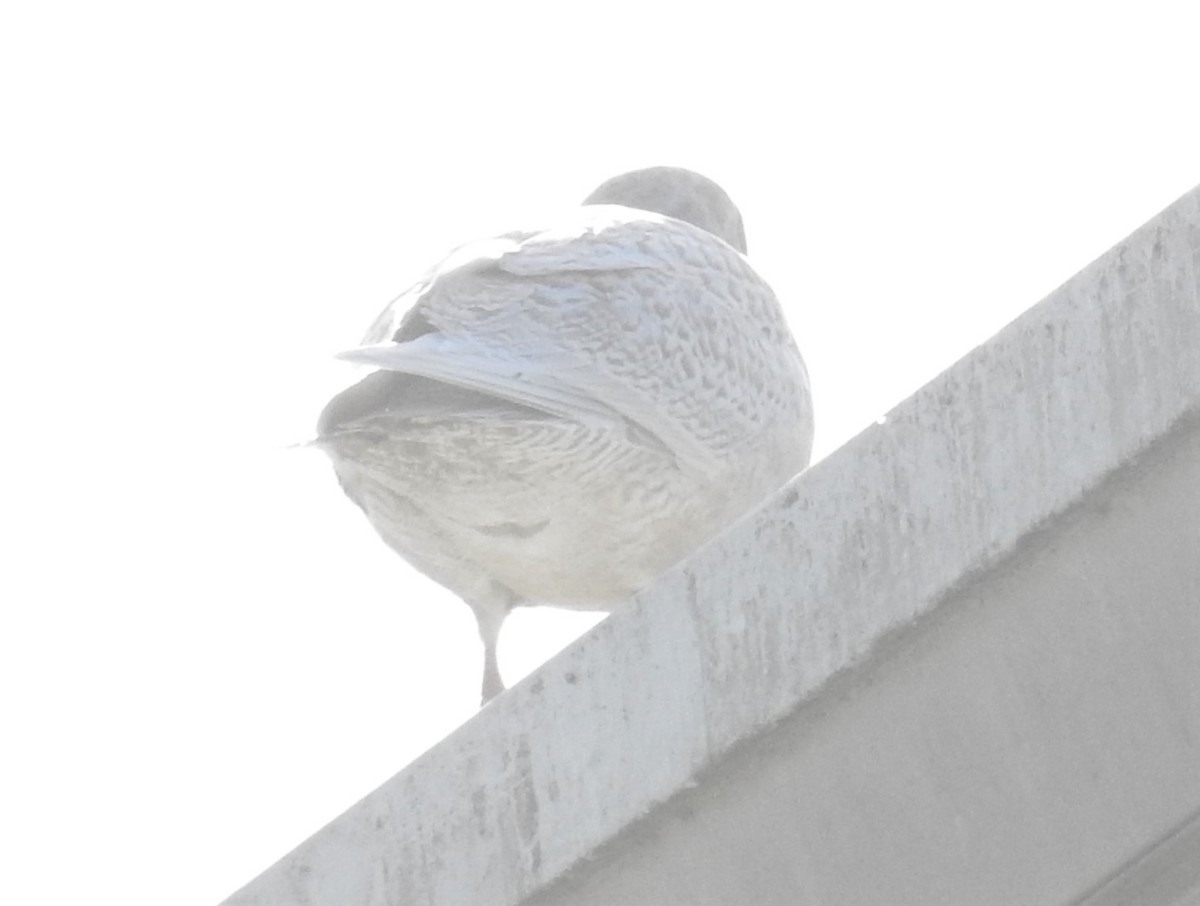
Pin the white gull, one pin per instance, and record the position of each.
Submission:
(563, 414)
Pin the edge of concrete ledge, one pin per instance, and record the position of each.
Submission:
(728, 643)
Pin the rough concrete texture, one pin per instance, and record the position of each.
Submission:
(956, 662)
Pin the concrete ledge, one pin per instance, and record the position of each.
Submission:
(957, 661)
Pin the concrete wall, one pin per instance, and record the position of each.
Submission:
(956, 662)
(1030, 735)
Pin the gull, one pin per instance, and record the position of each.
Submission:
(561, 414)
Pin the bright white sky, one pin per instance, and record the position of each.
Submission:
(206, 652)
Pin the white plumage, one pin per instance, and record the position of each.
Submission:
(562, 414)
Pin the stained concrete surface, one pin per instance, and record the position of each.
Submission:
(1036, 730)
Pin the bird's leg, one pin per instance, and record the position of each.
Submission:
(490, 617)
(493, 685)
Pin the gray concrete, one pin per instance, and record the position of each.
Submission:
(1028, 736)
(956, 662)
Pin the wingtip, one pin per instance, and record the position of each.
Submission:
(377, 354)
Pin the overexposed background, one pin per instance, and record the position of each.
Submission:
(206, 653)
